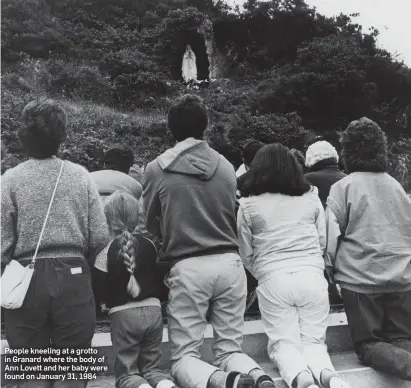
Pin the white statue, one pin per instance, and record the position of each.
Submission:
(189, 66)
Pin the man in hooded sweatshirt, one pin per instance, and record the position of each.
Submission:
(189, 197)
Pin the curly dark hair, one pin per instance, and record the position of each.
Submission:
(364, 147)
(275, 170)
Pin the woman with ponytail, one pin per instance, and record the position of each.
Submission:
(131, 286)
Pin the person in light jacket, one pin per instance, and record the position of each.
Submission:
(281, 229)
(369, 250)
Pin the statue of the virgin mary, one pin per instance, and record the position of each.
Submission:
(189, 66)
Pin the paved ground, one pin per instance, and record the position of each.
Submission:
(343, 361)
(102, 382)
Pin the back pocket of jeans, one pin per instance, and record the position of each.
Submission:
(74, 285)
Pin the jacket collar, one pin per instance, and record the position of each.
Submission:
(326, 164)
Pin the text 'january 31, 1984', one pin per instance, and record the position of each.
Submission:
(53, 364)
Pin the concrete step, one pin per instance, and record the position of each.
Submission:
(255, 344)
(345, 363)
(255, 341)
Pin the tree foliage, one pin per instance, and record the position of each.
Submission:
(291, 70)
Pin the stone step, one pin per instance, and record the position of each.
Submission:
(254, 344)
(255, 341)
(345, 363)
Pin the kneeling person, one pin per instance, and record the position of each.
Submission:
(131, 285)
(189, 196)
(369, 248)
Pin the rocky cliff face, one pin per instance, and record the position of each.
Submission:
(218, 62)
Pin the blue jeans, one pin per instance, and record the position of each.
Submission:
(380, 327)
(58, 311)
(136, 334)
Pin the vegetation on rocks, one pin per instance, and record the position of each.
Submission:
(292, 74)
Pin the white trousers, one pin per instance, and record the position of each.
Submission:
(294, 309)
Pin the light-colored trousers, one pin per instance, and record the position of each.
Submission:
(216, 283)
(294, 309)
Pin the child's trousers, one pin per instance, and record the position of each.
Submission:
(294, 309)
(136, 334)
(380, 327)
(216, 283)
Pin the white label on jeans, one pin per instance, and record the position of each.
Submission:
(76, 270)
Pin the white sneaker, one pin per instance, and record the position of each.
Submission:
(338, 382)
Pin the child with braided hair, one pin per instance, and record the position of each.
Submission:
(132, 288)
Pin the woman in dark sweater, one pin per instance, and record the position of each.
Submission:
(322, 160)
(130, 283)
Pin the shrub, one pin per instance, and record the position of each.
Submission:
(400, 162)
(13, 101)
(326, 84)
(79, 81)
(126, 62)
(94, 128)
(271, 128)
(132, 90)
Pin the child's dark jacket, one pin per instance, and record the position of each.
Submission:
(112, 285)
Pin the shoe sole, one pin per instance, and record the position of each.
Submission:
(244, 381)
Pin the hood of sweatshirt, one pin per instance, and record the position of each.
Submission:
(190, 157)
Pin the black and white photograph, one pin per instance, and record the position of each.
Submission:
(205, 194)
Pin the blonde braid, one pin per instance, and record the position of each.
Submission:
(127, 254)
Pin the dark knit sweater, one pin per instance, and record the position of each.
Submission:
(111, 286)
(76, 226)
(323, 175)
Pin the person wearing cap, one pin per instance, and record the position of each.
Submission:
(368, 219)
(322, 160)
